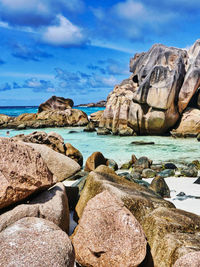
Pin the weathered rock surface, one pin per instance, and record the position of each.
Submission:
(138, 199)
(159, 185)
(56, 113)
(164, 82)
(35, 242)
(96, 117)
(22, 172)
(60, 165)
(189, 124)
(74, 154)
(51, 205)
(95, 160)
(108, 235)
(171, 233)
(189, 260)
(56, 103)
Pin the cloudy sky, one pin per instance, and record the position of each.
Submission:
(81, 49)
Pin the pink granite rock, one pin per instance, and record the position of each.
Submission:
(108, 234)
(189, 260)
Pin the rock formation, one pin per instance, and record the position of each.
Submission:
(55, 112)
(164, 82)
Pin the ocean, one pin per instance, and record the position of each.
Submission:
(165, 149)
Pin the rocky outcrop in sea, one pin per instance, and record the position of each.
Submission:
(55, 112)
(162, 94)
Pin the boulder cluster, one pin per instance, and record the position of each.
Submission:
(55, 112)
(122, 220)
(161, 95)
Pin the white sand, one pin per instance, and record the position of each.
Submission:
(186, 185)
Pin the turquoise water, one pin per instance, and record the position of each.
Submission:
(120, 149)
(16, 111)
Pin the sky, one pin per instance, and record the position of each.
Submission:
(81, 49)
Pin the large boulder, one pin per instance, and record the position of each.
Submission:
(108, 234)
(138, 199)
(96, 117)
(171, 233)
(164, 82)
(60, 165)
(35, 242)
(189, 123)
(189, 260)
(51, 205)
(23, 171)
(56, 103)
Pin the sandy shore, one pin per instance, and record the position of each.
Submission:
(191, 190)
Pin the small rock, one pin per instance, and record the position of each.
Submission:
(94, 161)
(181, 194)
(190, 171)
(197, 181)
(198, 137)
(142, 143)
(148, 173)
(72, 131)
(126, 166)
(196, 163)
(166, 173)
(159, 186)
(189, 260)
(143, 163)
(112, 164)
(157, 167)
(103, 131)
(21, 127)
(90, 127)
(133, 159)
(136, 175)
(170, 166)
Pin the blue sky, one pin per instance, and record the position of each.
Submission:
(81, 49)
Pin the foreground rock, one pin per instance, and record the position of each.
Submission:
(164, 82)
(61, 166)
(51, 205)
(22, 172)
(171, 234)
(35, 242)
(189, 260)
(138, 199)
(108, 235)
(56, 103)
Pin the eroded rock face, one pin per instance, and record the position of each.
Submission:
(35, 242)
(108, 234)
(56, 103)
(22, 172)
(51, 205)
(150, 101)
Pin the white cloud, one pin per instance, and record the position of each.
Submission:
(64, 34)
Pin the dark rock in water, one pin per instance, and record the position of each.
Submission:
(90, 127)
(72, 131)
(170, 166)
(197, 181)
(160, 187)
(148, 173)
(103, 131)
(198, 137)
(142, 143)
(112, 164)
(166, 173)
(56, 103)
(190, 171)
